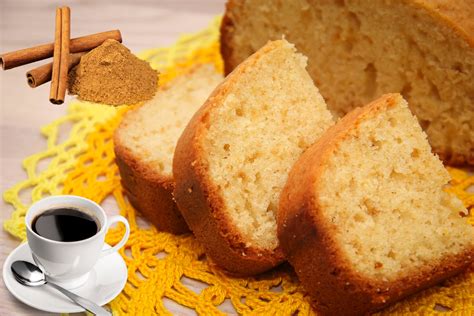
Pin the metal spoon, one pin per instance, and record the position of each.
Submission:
(30, 275)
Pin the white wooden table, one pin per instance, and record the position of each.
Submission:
(24, 23)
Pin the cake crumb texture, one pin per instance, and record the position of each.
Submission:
(359, 50)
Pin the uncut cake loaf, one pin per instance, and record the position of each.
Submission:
(145, 140)
(363, 217)
(234, 156)
(358, 50)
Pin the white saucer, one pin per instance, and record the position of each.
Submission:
(106, 281)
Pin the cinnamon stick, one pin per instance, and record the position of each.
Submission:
(40, 75)
(64, 64)
(53, 92)
(61, 56)
(80, 44)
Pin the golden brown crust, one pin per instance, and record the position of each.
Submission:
(458, 15)
(454, 159)
(198, 197)
(226, 34)
(149, 192)
(308, 240)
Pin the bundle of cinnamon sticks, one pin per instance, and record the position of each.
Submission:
(66, 53)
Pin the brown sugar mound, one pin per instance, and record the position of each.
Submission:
(111, 74)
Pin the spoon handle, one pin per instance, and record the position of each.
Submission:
(83, 302)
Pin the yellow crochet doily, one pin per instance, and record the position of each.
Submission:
(163, 267)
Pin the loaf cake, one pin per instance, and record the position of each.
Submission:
(358, 50)
(234, 156)
(145, 140)
(363, 217)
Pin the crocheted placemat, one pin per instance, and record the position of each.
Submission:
(163, 267)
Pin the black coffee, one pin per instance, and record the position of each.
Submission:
(65, 224)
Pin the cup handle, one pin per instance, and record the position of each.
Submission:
(113, 220)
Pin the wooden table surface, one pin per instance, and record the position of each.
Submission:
(143, 23)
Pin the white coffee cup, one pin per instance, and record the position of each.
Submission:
(69, 263)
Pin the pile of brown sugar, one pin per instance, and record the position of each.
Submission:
(111, 74)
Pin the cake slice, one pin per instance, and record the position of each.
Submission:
(235, 154)
(145, 140)
(359, 50)
(363, 217)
